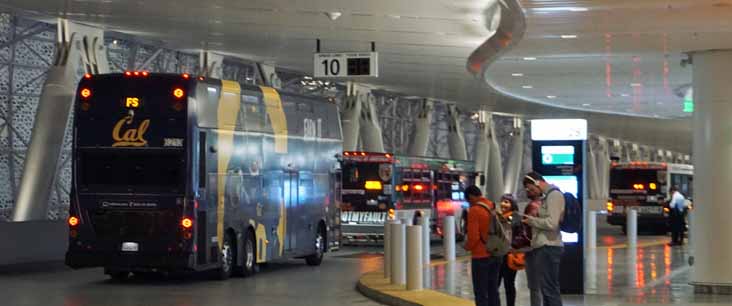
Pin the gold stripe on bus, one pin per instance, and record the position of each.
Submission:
(273, 105)
(228, 110)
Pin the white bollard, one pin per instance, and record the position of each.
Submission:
(414, 257)
(632, 228)
(425, 223)
(398, 254)
(592, 230)
(387, 248)
(448, 234)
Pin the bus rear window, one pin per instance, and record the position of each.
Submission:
(135, 170)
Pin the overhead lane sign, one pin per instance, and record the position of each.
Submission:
(345, 64)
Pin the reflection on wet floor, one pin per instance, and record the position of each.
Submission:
(653, 274)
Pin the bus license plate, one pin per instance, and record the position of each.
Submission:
(130, 247)
(649, 209)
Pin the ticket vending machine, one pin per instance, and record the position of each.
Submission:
(558, 153)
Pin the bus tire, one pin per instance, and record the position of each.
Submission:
(118, 276)
(226, 257)
(320, 246)
(249, 260)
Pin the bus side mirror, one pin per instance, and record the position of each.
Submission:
(481, 180)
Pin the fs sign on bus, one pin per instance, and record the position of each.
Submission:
(345, 64)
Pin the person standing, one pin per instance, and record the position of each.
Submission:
(677, 214)
(532, 269)
(514, 260)
(546, 241)
(484, 267)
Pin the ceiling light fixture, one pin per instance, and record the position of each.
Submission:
(568, 36)
(517, 74)
(624, 95)
(586, 104)
(561, 9)
(527, 87)
(551, 97)
(636, 84)
(529, 58)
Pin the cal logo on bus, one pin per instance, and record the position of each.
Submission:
(132, 136)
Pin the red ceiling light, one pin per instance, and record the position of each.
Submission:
(145, 73)
(127, 73)
(137, 73)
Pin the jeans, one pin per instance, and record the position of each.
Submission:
(508, 277)
(547, 261)
(532, 278)
(485, 280)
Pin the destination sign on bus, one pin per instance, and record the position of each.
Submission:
(132, 102)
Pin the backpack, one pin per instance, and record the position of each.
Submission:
(572, 219)
(499, 239)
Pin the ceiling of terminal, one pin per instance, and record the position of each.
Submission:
(618, 56)
(423, 47)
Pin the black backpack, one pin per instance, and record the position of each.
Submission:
(572, 219)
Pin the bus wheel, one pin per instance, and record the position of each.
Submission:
(226, 257)
(118, 276)
(249, 266)
(317, 258)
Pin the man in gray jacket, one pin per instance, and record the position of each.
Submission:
(546, 242)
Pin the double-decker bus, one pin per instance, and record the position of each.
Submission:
(380, 186)
(178, 173)
(644, 186)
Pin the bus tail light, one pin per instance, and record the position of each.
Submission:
(73, 221)
(418, 187)
(373, 185)
(85, 93)
(178, 92)
(653, 186)
(186, 223)
(610, 206)
(391, 214)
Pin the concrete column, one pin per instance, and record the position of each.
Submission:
(426, 235)
(268, 73)
(602, 162)
(712, 157)
(370, 129)
(515, 158)
(482, 147)
(422, 124)
(387, 248)
(76, 44)
(494, 173)
(593, 179)
(212, 64)
(592, 231)
(350, 116)
(455, 137)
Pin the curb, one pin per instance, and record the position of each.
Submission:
(381, 297)
(374, 286)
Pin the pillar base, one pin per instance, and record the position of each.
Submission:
(700, 288)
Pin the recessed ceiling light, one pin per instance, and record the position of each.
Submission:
(561, 9)
(659, 103)
(517, 74)
(569, 36)
(529, 58)
(624, 95)
(586, 104)
(551, 97)
(527, 87)
(636, 84)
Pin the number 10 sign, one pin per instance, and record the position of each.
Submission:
(345, 64)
